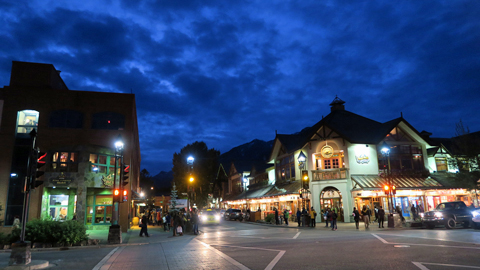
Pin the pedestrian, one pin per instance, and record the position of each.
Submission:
(177, 224)
(356, 216)
(143, 228)
(168, 220)
(399, 211)
(334, 221)
(286, 215)
(381, 217)
(366, 217)
(159, 218)
(325, 216)
(376, 213)
(299, 216)
(313, 216)
(195, 222)
(414, 212)
(277, 221)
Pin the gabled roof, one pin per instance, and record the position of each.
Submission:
(457, 145)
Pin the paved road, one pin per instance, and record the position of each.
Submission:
(235, 245)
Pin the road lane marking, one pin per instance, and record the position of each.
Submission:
(275, 260)
(423, 267)
(225, 256)
(272, 263)
(296, 235)
(105, 263)
(425, 245)
(380, 238)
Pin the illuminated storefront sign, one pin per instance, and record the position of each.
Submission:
(362, 159)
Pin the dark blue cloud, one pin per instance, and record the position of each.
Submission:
(229, 72)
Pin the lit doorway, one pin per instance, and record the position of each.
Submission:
(331, 198)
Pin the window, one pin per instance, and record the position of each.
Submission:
(27, 120)
(403, 158)
(64, 162)
(108, 120)
(103, 164)
(100, 210)
(58, 207)
(286, 168)
(66, 119)
(441, 164)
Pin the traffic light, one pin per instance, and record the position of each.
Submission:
(116, 195)
(394, 190)
(305, 179)
(125, 195)
(387, 189)
(125, 171)
(37, 161)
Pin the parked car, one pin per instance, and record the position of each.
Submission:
(448, 214)
(476, 219)
(233, 214)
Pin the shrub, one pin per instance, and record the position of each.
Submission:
(72, 232)
(269, 218)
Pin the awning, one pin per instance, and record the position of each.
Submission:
(403, 182)
(285, 189)
(251, 194)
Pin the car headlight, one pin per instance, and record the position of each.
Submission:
(438, 215)
(217, 217)
(204, 218)
(476, 213)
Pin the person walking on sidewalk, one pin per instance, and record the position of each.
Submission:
(313, 215)
(168, 220)
(195, 222)
(325, 216)
(299, 216)
(286, 215)
(366, 217)
(381, 217)
(356, 216)
(334, 220)
(143, 229)
(376, 213)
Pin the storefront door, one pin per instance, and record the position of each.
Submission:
(331, 198)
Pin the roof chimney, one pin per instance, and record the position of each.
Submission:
(337, 104)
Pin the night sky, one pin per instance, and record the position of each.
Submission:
(227, 72)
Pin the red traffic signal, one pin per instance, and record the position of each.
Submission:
(116, 195)
(386, 188)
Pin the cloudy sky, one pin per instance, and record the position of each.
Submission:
(227, 72)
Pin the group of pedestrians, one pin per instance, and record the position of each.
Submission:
(330, 215)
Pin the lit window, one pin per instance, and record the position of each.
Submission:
(27, 120)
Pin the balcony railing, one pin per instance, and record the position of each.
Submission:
(330, 174)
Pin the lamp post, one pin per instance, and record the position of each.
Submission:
(114, 233)
(301, 164)
(190, 161)
(245, 180)
(385, 149)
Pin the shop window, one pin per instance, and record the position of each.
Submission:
(58, 207)
(103, 164)
(108, 120)
(66, 119)
(101, 212)
(64, 162)
(27, 120)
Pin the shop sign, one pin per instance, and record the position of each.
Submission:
(104, 200)
(362, 159)
(327, 151)
(61, 180)
(107, 180)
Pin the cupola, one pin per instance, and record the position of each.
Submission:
(337, 104)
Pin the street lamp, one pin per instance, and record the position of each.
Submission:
(385, 149)
(245, 180)
(190, 161)
(115, 234)
(304, 180)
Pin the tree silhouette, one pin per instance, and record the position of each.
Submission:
(204, 171)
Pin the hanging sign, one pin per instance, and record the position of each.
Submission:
(327, 151)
